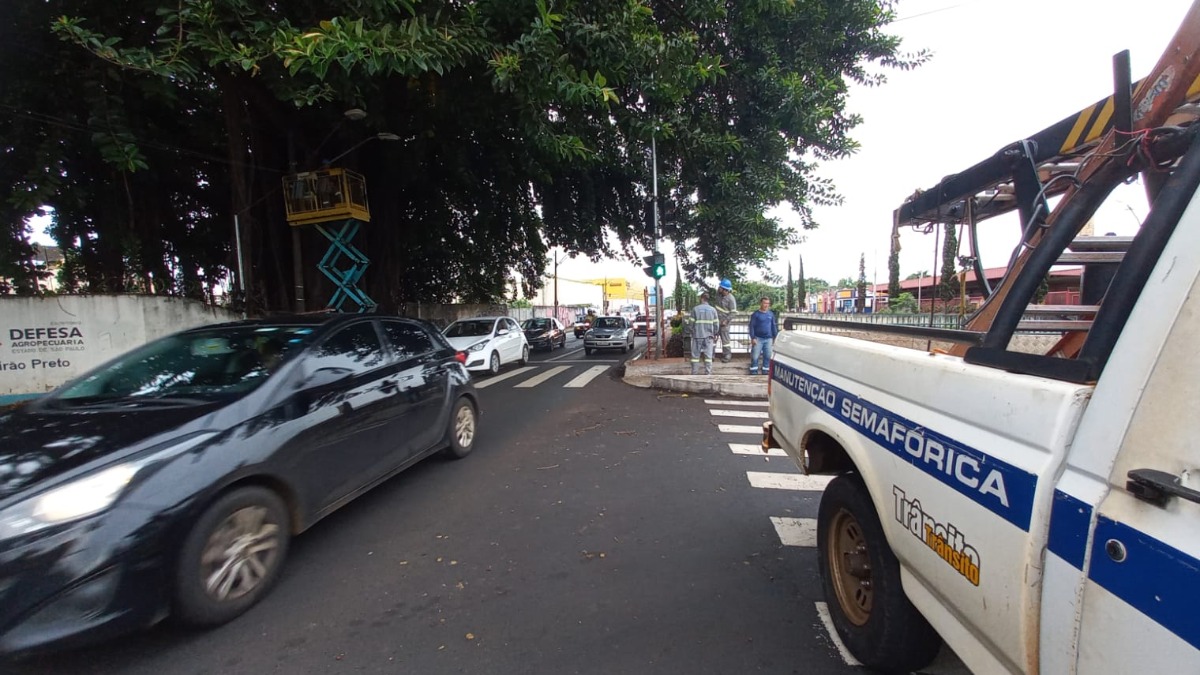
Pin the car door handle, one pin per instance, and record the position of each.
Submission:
(1157, 487)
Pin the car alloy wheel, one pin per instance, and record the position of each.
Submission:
(463, 429)
(231, 556)
(494, 363)
(239, 553)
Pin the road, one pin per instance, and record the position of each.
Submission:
(596, 528)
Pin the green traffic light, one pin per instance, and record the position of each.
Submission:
(660, 271)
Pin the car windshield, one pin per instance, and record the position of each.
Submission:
(474, 328)
(607, 322)
(536, 324)
(204, 365)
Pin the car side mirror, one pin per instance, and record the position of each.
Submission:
(502, 331)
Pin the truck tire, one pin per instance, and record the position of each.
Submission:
(861, 579)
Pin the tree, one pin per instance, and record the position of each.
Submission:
(523, 126)
(790, 298)
(894, 267)
(802, 289)
(948, 287)
(904, 303)
(860, 299)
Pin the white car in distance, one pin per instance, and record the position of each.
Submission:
(490, 342)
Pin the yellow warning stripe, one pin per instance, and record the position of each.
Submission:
(1194, 90)
(1102, 121)
(1077, 137)
(1080, 125)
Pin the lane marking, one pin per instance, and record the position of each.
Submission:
(749, 414)
(796, 531)
(589, 360)
(739, 429)
(538, 379)
(756, 404)
(823, 612)
(753, 449)
(501, 378)
(587, 376)
(787, 481)
(565, 355)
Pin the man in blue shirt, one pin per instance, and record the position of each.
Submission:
(763, 330)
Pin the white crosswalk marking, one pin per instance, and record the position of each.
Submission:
(538, 379)
(754, 449)
(587, 376)
(823, 612)
(500, 378)
(739, 429)
(787, 481)
(750, 414)
(796, 531)
(752, 404)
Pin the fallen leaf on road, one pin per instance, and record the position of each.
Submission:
(470, 636)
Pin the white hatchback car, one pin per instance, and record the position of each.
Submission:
(489, 342)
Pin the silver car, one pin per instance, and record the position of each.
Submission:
(609, 332)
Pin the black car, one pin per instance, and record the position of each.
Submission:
(170, 480)
(544, 333)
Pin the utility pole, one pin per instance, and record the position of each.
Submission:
(658, 299)
(556, 284)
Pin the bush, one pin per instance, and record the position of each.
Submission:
(675, 346)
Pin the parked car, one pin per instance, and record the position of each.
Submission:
(608, 332)
(489, 341)
(582, 324)
(171, 479)
(544, 333)
(644, 325)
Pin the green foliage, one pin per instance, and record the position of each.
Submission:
(948, 286)
(894, 269)
(803, 287)
(903, 303)
(524, 125)
(860, 299)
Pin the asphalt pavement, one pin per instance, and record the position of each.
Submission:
(596, 528)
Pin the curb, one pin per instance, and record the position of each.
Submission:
(729, 385)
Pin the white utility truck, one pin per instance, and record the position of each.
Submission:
(1037, 512)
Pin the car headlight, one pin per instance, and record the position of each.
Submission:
(84, 496)
(78, 499)
(477, 347)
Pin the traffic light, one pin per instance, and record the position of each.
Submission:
(648, 218)
(657, 265)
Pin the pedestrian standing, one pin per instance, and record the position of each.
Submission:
(704, 329)
(763, 330)
(726, 307)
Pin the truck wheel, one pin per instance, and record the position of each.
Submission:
(861, 579)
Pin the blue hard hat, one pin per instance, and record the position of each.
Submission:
(727, 284)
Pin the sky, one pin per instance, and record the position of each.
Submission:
(999, 72)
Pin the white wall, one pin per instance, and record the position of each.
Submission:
(45, 341)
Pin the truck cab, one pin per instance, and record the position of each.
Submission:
(1038, 510)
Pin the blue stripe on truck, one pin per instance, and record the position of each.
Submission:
(1157, 579)
(1070, 520)
(994, 484)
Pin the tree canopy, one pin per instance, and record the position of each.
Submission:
(147, 126)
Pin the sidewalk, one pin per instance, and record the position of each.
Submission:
(674, 374)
